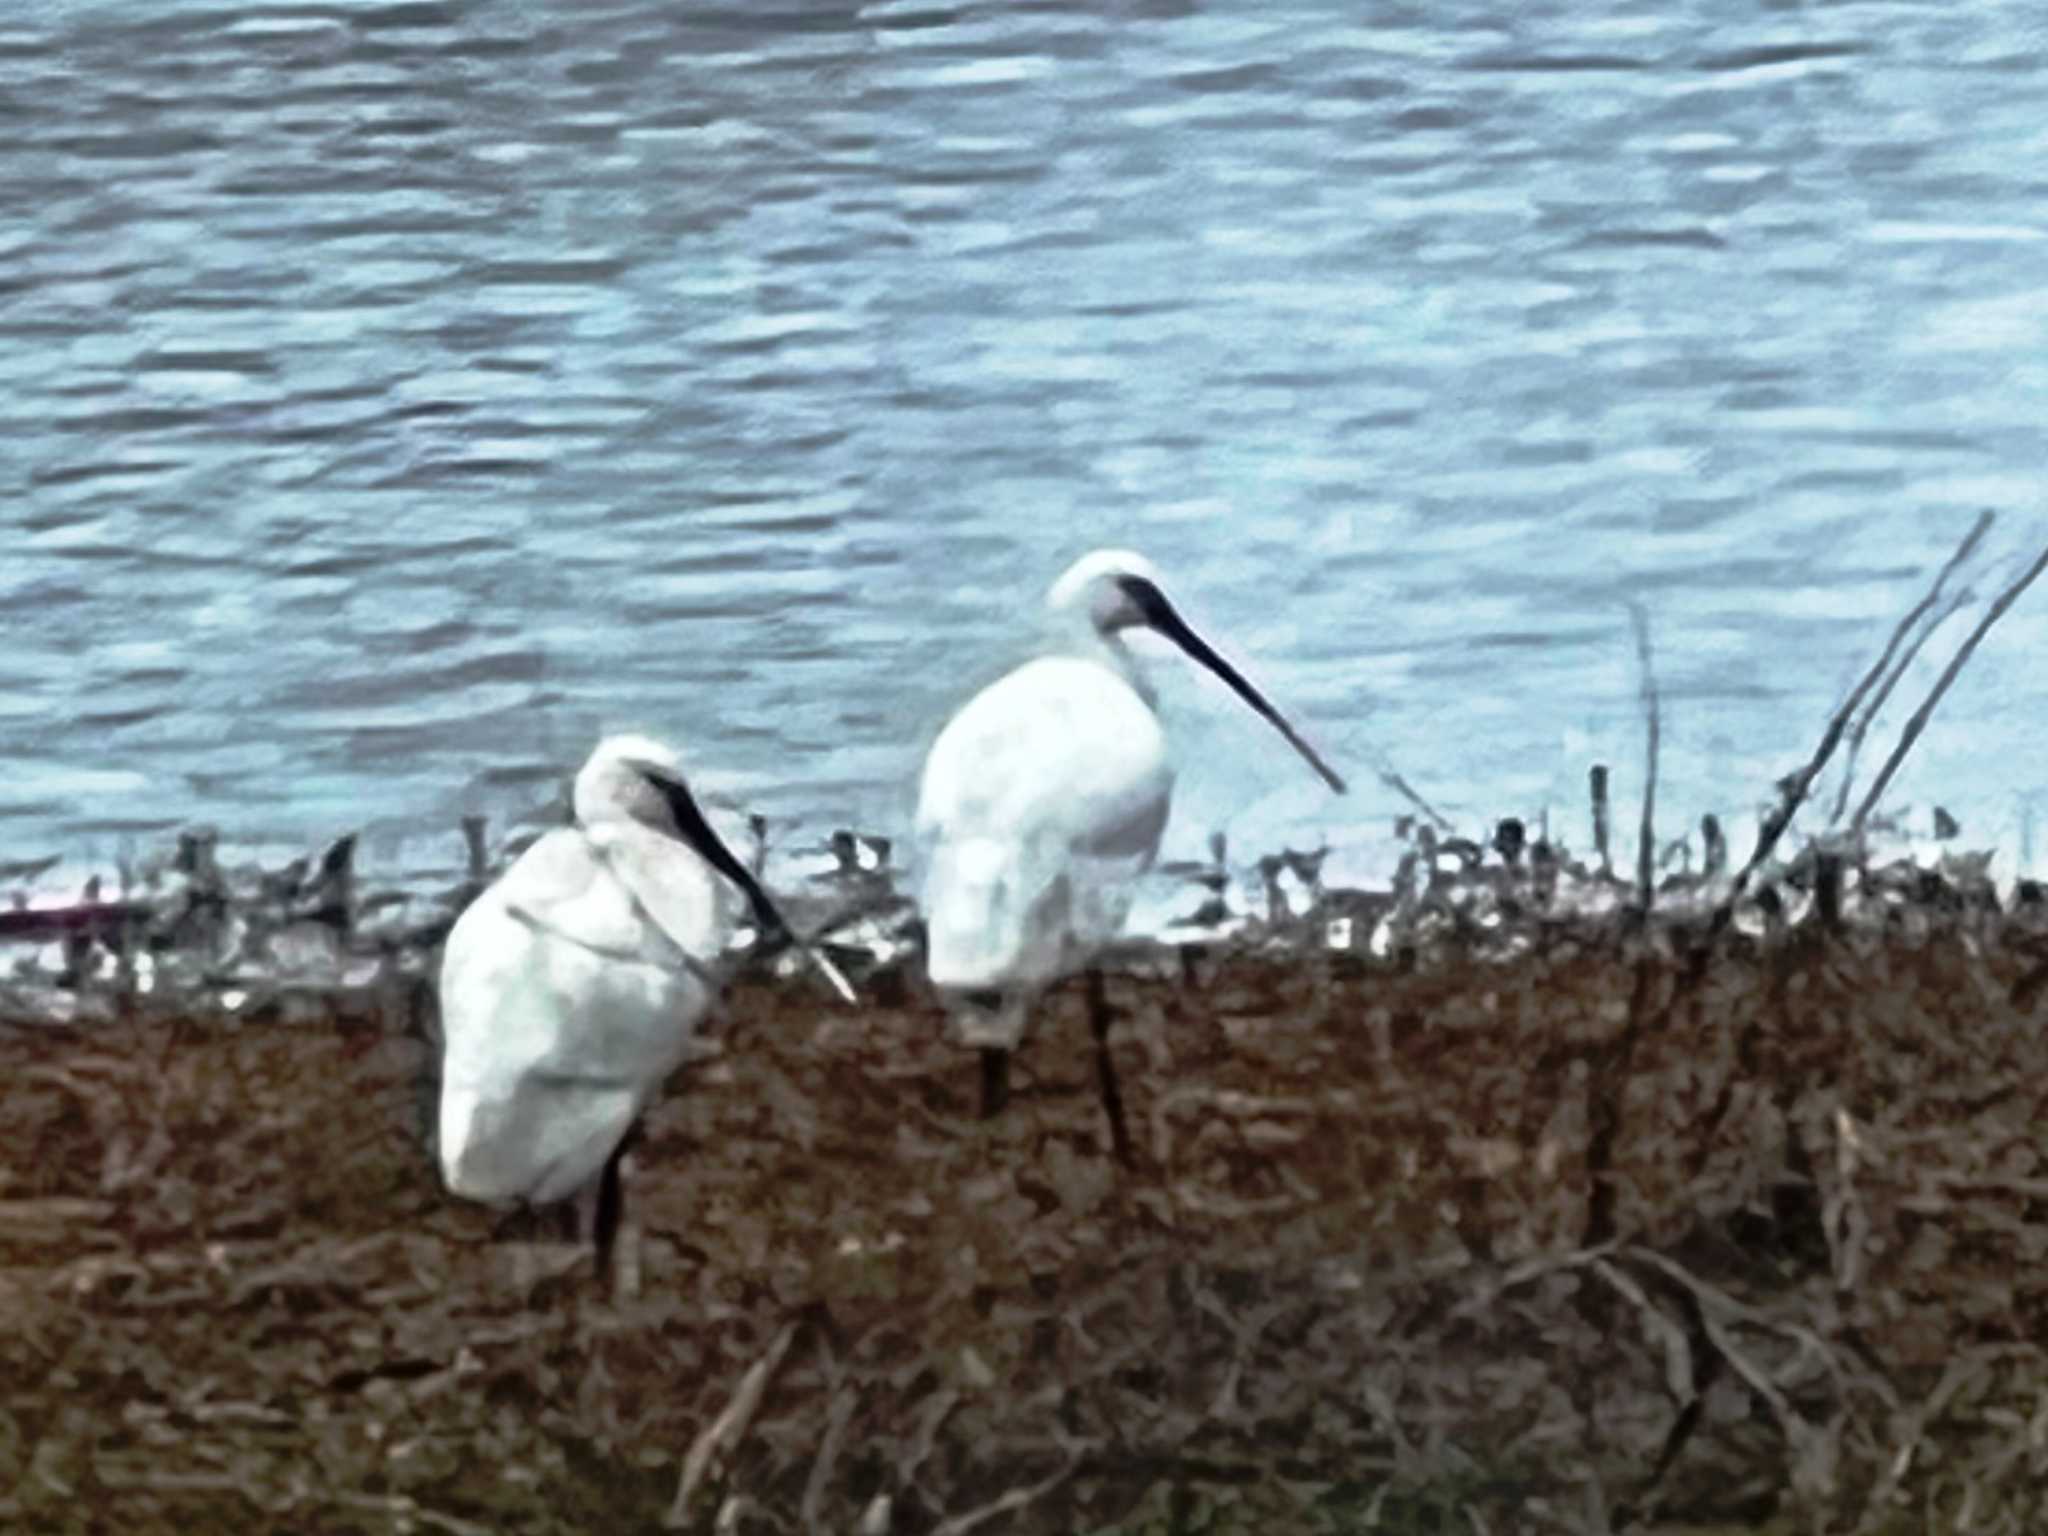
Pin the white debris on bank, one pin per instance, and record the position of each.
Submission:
(253, 930)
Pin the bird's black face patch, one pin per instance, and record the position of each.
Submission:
(1160, 615)
(1151, 603)
(697, 832)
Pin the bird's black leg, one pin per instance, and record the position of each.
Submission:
(995, 1080)
(1105, 1067)
(611, 1202)
(591, 1215)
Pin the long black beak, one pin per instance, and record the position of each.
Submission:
(697, 832)
(1160, 615)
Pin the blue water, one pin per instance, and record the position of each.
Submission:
(396, 396)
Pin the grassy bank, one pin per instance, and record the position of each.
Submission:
(1345, 1287)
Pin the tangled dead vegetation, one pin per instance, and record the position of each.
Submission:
(1345, 1289)
(1520, 1198)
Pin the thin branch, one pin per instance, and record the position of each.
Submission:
(1956, 1374)
(405, 1510)
(837, 1416)
(1878, 699)
(1721, 1304)
(1385, 772)
(1611, 1063)
(1918, 723)
(1796, 786)
(1646, 848)
(1596, 791)
(1666, 1336)
(1387, 776)
(725, 1432)
(1009, 1503)
(1913, 616)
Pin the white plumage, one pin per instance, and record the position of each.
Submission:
(574, 985)
(1042, 801)
(1045, 798)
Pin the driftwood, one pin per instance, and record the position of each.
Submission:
(92, 919)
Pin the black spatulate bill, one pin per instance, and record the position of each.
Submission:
(698, 833)
(1160, 615)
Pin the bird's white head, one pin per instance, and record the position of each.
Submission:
(637, 780)
(616, 784)
(1096, 590)
(1112, 590)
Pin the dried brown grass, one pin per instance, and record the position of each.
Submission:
(1341, 1291)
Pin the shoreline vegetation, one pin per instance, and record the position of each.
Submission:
(1527, 1194)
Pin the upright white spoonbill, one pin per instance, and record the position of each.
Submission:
(1042, 801)
(573, 985)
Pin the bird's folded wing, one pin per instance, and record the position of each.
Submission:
(562, 885)
(996, 914)
(640, 896)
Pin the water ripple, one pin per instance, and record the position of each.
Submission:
(399, 394)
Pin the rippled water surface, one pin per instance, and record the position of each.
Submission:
(396, 396)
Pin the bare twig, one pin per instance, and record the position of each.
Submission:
(725, 1432)
(1715, 1301)
(1606, 1084)
(1384, 772)
(1957, 1373)
(1608, 1078)
(405, 1510)
(1009, 1503)
(1596, 787)
(1876, 702)
(837, 1417)
(1913, 616)
(1714, 848)
(1844, 1221)
(1646, 849)
(1918, 722)
(1715, 1307)
(1796, 786)
(934, 1413)
(2026, 1189)
(1658, 1329)
(1483, 1296)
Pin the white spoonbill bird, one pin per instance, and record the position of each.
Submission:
(1043, 800)
(573, 986)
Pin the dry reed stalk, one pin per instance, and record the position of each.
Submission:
(1925, 712)
(1797, 785)
(1608, 1079)
(1913, 616)
(1596, 787)
(715, 1445)
(1646, 847)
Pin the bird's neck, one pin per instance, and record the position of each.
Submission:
(1087, 643)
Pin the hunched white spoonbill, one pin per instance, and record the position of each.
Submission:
(574, 985)
(1042, 801)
